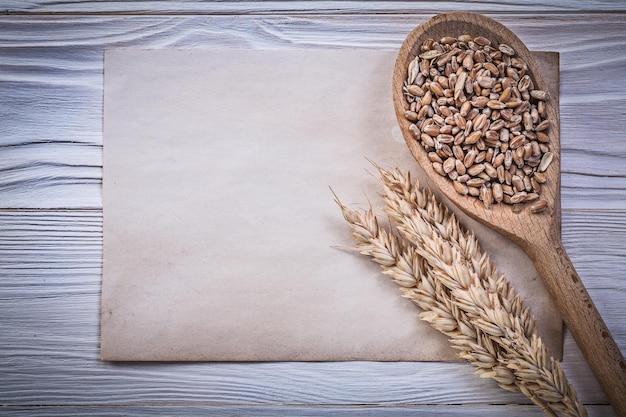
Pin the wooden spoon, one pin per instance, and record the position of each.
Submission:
(538, 234)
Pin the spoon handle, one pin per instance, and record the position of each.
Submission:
(583, 320)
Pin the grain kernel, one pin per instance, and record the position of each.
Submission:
(475, 109)
(539, 206)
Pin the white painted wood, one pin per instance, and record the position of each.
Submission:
(295, 410)
(50, 157)
(302, 7)
(51, 72)
(49, 286)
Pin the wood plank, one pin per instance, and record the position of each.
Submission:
(50, 270)
(302, 7)
(50, 140)
(51, 75)
(302, 411)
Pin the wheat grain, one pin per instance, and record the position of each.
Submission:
(400, 261)
(442, 269)
(485, 98)
(476, 287)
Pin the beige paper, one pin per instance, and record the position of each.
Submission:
(221, 238)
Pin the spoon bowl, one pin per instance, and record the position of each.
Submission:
(538, 234)
(499, 216)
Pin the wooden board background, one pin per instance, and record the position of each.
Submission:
(50, 204)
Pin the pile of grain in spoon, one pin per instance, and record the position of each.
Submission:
(475, 110)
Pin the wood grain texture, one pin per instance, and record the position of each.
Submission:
(49, 286)
(301, 7)
(51, 73)
(295, 410)
(50, 157)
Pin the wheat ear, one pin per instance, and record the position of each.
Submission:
(489, 301)
(400, 262)
(461, 294)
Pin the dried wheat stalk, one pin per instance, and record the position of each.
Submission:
(441, 268)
